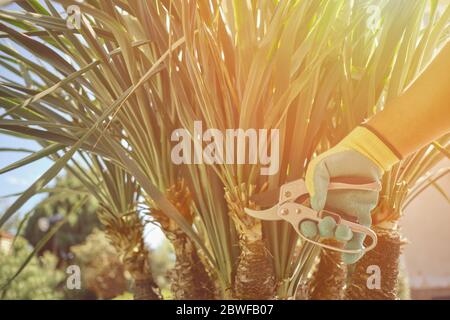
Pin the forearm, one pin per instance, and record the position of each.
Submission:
(422, 113)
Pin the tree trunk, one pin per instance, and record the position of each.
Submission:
(386, 256)
(144, 287)
(303, 291)
(190, 277)
(254, 279)
(329, 278)
(126, 235)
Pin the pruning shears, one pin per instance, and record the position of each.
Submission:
(288, 206)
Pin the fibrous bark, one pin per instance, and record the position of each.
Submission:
(190, 278)
(303, 291)
(386, 256)
(254, 273)
(328, 280)
(126, 235)
(255, 276)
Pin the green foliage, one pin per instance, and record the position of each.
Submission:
(58, 204)
(124, 296)
(39, 280)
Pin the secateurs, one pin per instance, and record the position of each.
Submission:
(288, 207)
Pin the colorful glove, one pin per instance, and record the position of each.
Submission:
(361, 154)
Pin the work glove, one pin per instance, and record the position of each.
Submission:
(364, 155)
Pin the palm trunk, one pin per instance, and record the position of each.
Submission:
(255, 276)
(386, 256)
(137, 264)
(303, 291)
(329, 278)
(190, 279)
(144, 287)
(126, 235)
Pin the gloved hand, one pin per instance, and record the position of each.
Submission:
(361, 154)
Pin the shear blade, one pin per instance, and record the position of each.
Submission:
(267, 214)
(267, 198)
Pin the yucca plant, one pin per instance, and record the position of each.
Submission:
(122, 213)
(134, 71)
(153, 131)
(118, 196)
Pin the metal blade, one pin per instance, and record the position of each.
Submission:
(266, 199)
(269, 199)
(267, 214)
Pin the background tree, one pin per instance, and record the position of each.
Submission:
(101, 269)
(59, 203)
(39, 280)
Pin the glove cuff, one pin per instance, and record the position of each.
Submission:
(367, 141)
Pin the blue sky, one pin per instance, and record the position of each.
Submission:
(18, 180)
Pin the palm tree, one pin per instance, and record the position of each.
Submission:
(134, 71)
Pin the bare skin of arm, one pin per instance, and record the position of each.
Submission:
(422, 113)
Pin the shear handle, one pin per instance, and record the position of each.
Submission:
(355, 227)
(295, 214)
